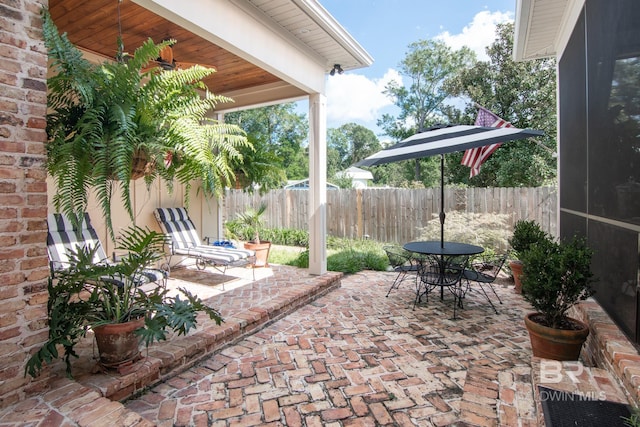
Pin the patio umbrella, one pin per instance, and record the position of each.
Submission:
(442, 140)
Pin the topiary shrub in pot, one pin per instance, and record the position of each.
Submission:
(525, 234)
(557, 275)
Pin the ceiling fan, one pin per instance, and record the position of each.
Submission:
(167, 62)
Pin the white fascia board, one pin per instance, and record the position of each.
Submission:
(232, 28)
(524, 17)
(571, 15)
(327, 22)
(524, 9)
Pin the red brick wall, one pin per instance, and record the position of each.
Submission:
(23, 195)
(608, 348)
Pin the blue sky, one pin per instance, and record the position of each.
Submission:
(385, 28)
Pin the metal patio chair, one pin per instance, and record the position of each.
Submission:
(485, 272)
(401, 262)
(440, 272)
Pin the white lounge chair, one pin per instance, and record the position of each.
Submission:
(185, 241)
(64, 238)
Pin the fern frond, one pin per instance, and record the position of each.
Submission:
(101, 115)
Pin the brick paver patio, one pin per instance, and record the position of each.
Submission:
(356, 358)
(331, 350)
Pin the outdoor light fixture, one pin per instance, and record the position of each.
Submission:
(338, 68)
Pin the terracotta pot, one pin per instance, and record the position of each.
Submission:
(516, 269)
(117, 343)
(556, 344)
(262, 252)
(241, 181)
(140, 166)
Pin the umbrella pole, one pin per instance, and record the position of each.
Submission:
(442, 215)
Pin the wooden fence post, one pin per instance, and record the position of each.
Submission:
(359, 214)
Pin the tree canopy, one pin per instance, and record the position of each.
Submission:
(428, 64)
(444, 86)
(522, 93)
(279, 153)
(349, 144)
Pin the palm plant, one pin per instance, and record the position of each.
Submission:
(108, 121)
(252, 221)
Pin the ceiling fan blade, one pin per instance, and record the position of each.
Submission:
(182, 65)
(167, 62)
(177, 65)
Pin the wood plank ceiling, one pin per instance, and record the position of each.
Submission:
(93, 25)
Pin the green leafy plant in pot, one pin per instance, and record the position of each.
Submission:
(525, 234)
(251, 222)
(99, 297)
(557, 275)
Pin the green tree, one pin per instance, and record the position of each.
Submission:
(278, 135)
(337, 151)
(522, 93)
(427, 65)
(349, 144)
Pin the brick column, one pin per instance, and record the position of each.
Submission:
(23, 196)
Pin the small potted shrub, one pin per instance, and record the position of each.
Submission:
(557, 275)
(103, 297)
(525, 234)
(251, 223)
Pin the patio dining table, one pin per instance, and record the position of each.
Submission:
(435, 247)
(445, 253)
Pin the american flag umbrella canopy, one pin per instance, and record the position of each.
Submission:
(442, 140)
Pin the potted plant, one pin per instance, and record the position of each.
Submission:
(251, 223)
(525, 234)
(102, 297)
(120, 120)
(557, 275)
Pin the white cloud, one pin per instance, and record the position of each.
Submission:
(479, 34)
(353, 97)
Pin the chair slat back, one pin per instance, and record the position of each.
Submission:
(65, 238)
(442, 270)
(490, 267)
(176, 224)
(397, 256)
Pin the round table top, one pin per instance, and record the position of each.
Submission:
(434, 247)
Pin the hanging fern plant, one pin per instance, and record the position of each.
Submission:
(110, 123)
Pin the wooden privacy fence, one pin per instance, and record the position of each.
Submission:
(397, 214)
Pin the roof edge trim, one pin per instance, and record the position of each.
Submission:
(326, 21)
(523, 23)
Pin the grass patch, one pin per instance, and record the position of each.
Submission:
(344, 255)
(284, 255)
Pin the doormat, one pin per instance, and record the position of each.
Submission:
(201, 277)
(562, 409)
